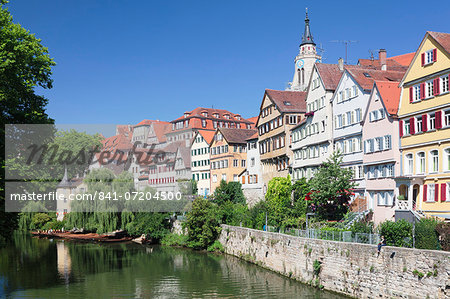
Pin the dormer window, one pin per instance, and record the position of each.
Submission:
(238, 117)
(205, 114)
(227, 116)
(216, 115)
(287, 103)
(186, 114)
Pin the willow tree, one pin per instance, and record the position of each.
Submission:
(24, 65)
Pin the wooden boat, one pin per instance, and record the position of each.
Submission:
(81, 237)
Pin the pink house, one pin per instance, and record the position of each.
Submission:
(381, 157)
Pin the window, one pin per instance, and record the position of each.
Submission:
(447, 160)
(242, 163)
(378, 144)
(432, 121)
(429, 57)
(408, 163)
(390, 170)
(429, 88)
(355, 90)
(235, 163)
(444, 84)
(421, 162)
(406, 127)
(387, 142)
(214, 178)
(419, 124)
(431, 192)
(358, 115)
(204, 123)
(416, 92)
(224, 177)
(447, 118)
(252, 162)
(434, 161)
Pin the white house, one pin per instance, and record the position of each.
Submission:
(200, 161)
(312, 138)
(349, 104)
(251, 177)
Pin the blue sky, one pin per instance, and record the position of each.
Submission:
(124, 61)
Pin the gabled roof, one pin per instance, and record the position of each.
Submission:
(253, 119)
(207, 135)
(442, 38)
(330, 75)
(161, 128)
(366, 76)
(185, 154)
(146, 122)
(236, 135)
(389, 94)
(288, 101)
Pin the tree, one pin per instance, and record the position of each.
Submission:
(202, 224)
(278, 198)
(398, 233)
(24, 65)
(229, 192)
(299, 191)
(331, 188)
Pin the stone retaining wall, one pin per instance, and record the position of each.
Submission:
(348, 268)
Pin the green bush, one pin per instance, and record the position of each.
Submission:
(174, 240)
(233, 213)
(202, 224)
(229, 192)
(154, 225)
(54, 225)
(257, 215)
(216, 247)
(39, 220)
(362, 227)
(397, 233)
(426, 234)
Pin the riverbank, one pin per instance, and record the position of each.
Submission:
(347, 268)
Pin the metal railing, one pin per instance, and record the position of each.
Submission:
(340, 236)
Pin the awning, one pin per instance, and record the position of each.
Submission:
(445, 216)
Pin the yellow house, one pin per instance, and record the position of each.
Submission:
(228, 155)
(424, 127)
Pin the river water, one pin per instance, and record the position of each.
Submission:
(40, 268)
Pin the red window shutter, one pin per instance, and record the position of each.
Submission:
(434, 54)
(411, 93)
(436, 192)
(422, 91)
(443, 192)
(436, 86)
(438, 119)
(423, 59)
(412, 128)
(256, 178)
(424, 193)
(424, 123)
(287, 119)
(400, 128)
(243, 179)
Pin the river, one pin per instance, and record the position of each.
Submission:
(32, 267)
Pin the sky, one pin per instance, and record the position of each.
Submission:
(119, 62)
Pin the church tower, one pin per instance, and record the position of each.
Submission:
(304, 61)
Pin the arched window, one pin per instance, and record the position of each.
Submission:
(421, 162)
(299, 76)
(408, 164)
(303, 76)
(434, 161)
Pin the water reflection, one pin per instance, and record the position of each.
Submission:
(40, 268)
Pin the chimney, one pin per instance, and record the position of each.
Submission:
(341, 64)
(382, 58)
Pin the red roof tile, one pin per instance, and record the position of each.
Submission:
(330, 75)
(442, 38)
(288, 101)
(366, 76)
(394, 63)
(207, 135)
(236, 135)
(390, 95)
(254, 136)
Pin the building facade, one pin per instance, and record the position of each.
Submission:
(200, 161)
(280, 111)
(252, 185)
(228, 155)
(424, 128)
(381, 159)
(349, 105)
(312, 139)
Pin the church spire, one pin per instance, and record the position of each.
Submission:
(307, 36)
